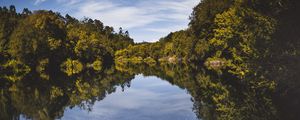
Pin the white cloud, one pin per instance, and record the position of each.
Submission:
(140, 14)
(69, 2)
(114, 14)
(144, 15)
(38, 2)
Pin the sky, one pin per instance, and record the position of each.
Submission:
(146, 20)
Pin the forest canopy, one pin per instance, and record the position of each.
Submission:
(234, 35)
(47, 39)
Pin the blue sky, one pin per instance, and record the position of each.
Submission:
(146, 20)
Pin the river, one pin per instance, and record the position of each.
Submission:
(142, 92)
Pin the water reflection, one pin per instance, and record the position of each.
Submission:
(148, 98)
(36, 98)
(166, 92)
(221, 96)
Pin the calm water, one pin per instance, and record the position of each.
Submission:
(148, 98)
(166, 92)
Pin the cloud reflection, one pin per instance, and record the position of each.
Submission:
(148, 98)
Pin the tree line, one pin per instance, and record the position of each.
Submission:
(236, 36)
(44, 40)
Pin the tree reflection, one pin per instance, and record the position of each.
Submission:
(269, 93)
(222, 96)
(34, 98)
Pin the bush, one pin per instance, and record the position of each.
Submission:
(15, 70)
(97, 65)
(136, 60)
(72, 67)
(149, 61)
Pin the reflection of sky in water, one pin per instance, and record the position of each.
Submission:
(148, 98)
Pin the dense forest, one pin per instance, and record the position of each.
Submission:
(228, 34)
(234, 35)
(43, 40)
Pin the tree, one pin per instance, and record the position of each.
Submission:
(12, 9)
(26, 11)
(120, 31)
